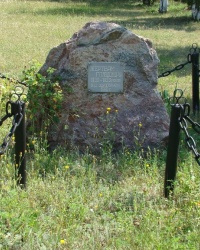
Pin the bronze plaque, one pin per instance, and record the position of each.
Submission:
(105, 77)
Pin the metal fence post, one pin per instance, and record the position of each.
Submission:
(195, 80)
(20, 148)
(172, 151)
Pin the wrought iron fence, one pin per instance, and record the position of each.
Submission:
(180, 117)
(193, 59)
(16, 111)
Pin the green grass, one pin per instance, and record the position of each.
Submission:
(75, 201)
(99, 203)
(29, 29)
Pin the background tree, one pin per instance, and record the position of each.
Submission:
(196, 10)
(163, 6)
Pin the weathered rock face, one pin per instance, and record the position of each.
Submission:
(136, 117)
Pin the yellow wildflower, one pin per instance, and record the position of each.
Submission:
(66, 167)
(198, 204)
(62, 241)
(140, 124)
(108, 109)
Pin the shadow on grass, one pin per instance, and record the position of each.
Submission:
(130, 14)
(158, 21)
(170, 58)
(134, 15)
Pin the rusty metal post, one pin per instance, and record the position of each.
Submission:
(172, 151)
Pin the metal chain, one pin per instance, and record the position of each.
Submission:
(8, 113)
(194, 49)
(184, 117)
(4, 118)
(178, 67)
(11, 79)
(16, 122)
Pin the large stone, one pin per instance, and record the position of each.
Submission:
(134, 118)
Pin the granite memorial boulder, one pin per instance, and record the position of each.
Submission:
(109, 79)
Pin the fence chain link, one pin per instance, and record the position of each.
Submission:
(193, 50)
(178, 67)
(17, 118)
(12, 79)
(183, 119)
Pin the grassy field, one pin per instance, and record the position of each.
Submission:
(92, 202)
